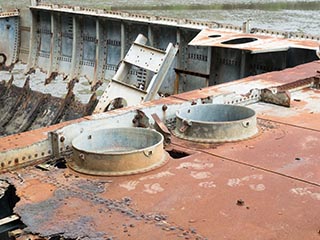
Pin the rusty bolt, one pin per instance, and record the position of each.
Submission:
(81, 156)
(167, 140)
(164, 107)
(240, 202)
(62, 138)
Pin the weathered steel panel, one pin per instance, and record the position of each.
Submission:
(113, 46)
(66, 44)
(10, 39)
(44, 31)
(265, 187)
(216, 198)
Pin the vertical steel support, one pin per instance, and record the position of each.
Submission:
(100, 54)
(33, 44)
(17, 40)
(179, 57)
(156, 82)
(123, 41)
(151, 43)
(76, 49)
(98, 46)
(103, 48)
(54, 45)
(150, 36)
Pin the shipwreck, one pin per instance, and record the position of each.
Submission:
(117, 125)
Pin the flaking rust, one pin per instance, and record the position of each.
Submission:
(266, 186)
(64, 192)
(274, 96)
(25, 109)
(235, 190)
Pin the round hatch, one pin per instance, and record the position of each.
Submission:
(215, 123)
(240, 40)
(118, 151)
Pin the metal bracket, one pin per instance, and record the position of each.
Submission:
(281, 98)
(162, 128)
(185, 125)
(141, 120)
(54, 139)
(126, 86)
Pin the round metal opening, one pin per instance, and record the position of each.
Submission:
(115, 104)
(215, 123)
(240, 41)
(118, 151)
(214, 36)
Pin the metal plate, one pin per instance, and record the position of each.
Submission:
(215, 123)
(118, 151)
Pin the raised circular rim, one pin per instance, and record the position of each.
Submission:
(165, 159)
(247, 40)
(214, 122)
(122, 152)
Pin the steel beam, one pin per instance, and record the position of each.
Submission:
(54, 48)
(34, 42)
(101, 52)
(178, 64)
(98, 46)
(123, 39)
(77, 48)
(150, 36)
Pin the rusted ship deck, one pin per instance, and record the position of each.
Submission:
(266, 187)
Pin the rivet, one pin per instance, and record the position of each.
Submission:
(164, 107)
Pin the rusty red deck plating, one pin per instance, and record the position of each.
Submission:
(267, 187)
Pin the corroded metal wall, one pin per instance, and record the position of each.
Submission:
(238, 179)
(76, 41)
(22, 109)
(83, 42)
(10, 39)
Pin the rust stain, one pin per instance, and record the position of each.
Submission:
(219, 37)
(24, 109)
(267, 186)
(24, 139)
(36, 191)
(203, 206)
